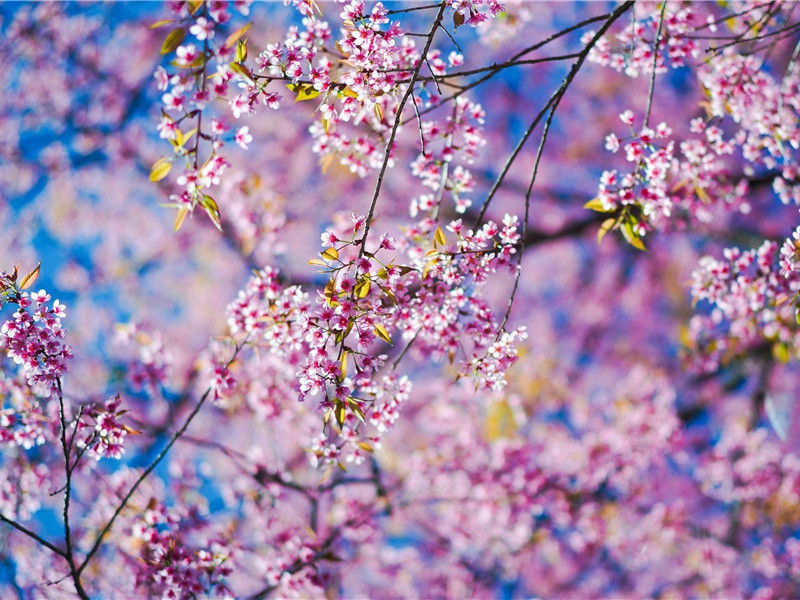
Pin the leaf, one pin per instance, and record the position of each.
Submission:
(340, 413)
(702, 194)
(348, 92)
(631, 236)
(241, 70)
(131, 430)
(780, 352)
(381, 332)
(30, 278)
(303, 91)
(430, 264)
(356, 409)
(317, 262)
(234, 37)
(241, 51)
(596, 204)
(362, 288)
(330, 254)
(212, 210)
(605, 227)
(343, 366)
(439, 237)
(173, 40)
(180, 217)
(194, 5)
(500, 421)
(160, 169)
(160, 23)
(458, 19)
(797, 315)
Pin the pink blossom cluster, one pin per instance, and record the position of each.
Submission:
(669, 186)
(151, 365)
(103, 436)
(753, 298)
(34, 339)
(459, 137)
(170, 566)
(654, 38)
(187, 94)
(765, 113)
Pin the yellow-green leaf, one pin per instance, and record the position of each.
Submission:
(780, 352)
(30, 278)
(173, 40)
(241, 51)
(180, 217)
(234, 37)
(596, 204)
(330, 254)
(160, 169)
(362, 288)
(631, 236)
(381, 332)
(160, 23)
(500, 421)
(605, 227)
(303, 91)
(241, 70)
(439, 237)
(343, 365)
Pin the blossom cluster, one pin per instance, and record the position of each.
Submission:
(753, 298)
(656, 38)
(34, 339)
(171, 567)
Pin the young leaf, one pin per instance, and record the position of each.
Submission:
(362, 288)
(241, 70)
(330, 254)
(241, 51)
(439, 237)
(304, 91)
(605, 227)
(180, 217)
(30, 278)
(596, 204)
(160, 169)
(631, 236)
(173, 40)
(381, 332)
(234, 37)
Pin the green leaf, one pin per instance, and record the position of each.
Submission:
(173, 40)
(30, 278)
(780, 352)
(631, 236)
(330, 254)
(362, 288)
(241, 51)
(605, 227)
(439, 237)
(234, 37)
(596, 204)
(241, 70)
(381, 332)
(160, 169)
(180, 217)
(303, 91)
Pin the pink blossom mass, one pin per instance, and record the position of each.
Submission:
(433, 299)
